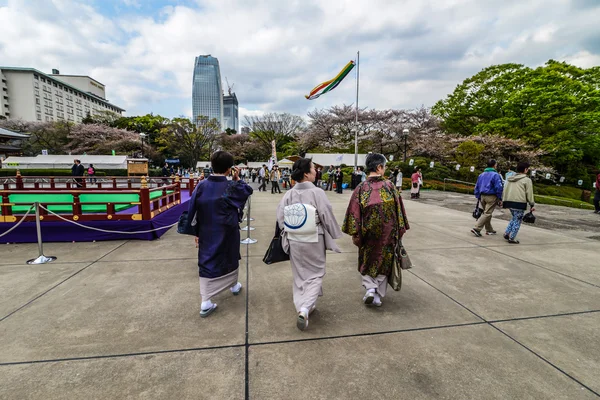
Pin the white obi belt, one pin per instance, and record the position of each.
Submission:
(300, 222)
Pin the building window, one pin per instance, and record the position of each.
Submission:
(39, 117)
(35, 76)
(43, 80)
(36, 85)
(38, 108)
(37, 101)
(37, 92)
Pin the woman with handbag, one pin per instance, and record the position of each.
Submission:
(376, 220)
(214, 214)
(309, 228)
(417, 182)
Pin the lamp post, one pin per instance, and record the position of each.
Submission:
(405, 134)
(142, 136)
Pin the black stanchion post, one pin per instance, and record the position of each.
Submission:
(248, 228)
(42, 259)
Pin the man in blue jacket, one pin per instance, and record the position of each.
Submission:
(489, 193)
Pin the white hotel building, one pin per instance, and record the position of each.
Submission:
(31, 95)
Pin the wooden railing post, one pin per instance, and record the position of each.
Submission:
(52, 184)
(145, 200)
(76, 206)
(6, 208)
(19, 181)
(177, 189)
(114, 181)
(191, 184)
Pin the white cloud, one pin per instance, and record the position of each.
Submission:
(412, 53)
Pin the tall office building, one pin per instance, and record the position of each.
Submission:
(207, 94)
(230, 112)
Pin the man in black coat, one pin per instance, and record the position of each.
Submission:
(339, 180)
(78, 171)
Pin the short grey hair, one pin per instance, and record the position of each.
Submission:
(374, 160)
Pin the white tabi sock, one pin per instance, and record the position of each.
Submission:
(377, 299)
(235, 287)
(206, 305)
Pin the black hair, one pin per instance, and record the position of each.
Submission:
(417, 169)
(221, 161)
(374, 160)
(492, 163)
(301, 167)
(522, 166)
(361, 168)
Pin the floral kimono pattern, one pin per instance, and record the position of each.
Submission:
(377, 218)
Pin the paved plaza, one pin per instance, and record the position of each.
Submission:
(476, 318)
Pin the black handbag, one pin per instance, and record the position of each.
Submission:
(529, 218)
(477, 211)
(275, 251)
(183, 227)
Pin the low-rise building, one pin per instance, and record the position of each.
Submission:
(31, 95)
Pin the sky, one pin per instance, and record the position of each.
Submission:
(274, 52)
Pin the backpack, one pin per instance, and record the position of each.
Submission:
(91, 171)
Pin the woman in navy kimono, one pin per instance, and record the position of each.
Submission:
(215, 211)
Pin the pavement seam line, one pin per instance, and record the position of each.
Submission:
(246, 344)
(59, 283)
(545, 360)
(490, 248)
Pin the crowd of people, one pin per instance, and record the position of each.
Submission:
(375, 219)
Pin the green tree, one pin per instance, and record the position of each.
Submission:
(188, 141)
(555, 108)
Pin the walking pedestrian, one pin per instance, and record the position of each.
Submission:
(339, 180)
(597, 195)
(398, 179)
(307, 248)
(77, 171)
(488, 191)
(318, 177)
(262, 178)
(330, 178)
(376, 220)
(275, 176)
(517, 194)
(91, 174)
(254, 175)
(215, 212)
(417, 182)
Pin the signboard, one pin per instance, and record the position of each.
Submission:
(457, 167)
(431, 164)
(533, 172)
(580, 182)
(391, 157)
(411, 162)
(172, 160)
(548, 176)
(472, 169)
(339, 158)
(44, 152)
(562, 179)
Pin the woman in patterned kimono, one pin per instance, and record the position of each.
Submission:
(215, 211)
(376, 220)
(308, 257)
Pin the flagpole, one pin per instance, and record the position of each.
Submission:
(356, 115)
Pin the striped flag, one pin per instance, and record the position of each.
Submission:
(331, 84)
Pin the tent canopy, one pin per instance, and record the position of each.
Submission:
(65, 162)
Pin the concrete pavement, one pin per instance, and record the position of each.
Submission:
(476, 318)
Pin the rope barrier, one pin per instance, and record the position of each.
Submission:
(106, 230)
(18, 223)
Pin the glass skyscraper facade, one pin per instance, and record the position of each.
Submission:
(207, 94)
(231, 118)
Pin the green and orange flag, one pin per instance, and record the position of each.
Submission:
(331, 84)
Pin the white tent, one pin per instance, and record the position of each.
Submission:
(326, 159)
(65, 162)
(202, 164)
(285, 163)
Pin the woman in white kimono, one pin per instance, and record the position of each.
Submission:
(306, 242)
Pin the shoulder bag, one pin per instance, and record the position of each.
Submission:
(275, 251)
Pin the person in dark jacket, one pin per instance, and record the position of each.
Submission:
(78, 171)
(330, 177)
(488, 191)
(339, 180)
(597, 195)
(517, 194)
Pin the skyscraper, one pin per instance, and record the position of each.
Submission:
(207, 94)
(230, 112)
